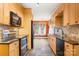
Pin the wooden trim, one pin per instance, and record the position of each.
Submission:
(40, 36)
(40, 21)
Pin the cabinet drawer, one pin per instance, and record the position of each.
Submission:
(12, 53)
(68, 46)
(68, 49)
(13, 45)
(67, 53)
(17, 51)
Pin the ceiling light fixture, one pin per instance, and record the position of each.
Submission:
(37, 4)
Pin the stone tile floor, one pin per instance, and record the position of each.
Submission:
(41, 48)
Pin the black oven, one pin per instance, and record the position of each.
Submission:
(23, 45)
(59, 47)
(15, 20)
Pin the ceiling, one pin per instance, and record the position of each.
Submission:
(41, 11)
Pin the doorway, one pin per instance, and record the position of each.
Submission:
(32, 35)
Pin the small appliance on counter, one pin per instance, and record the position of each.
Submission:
(7, 33)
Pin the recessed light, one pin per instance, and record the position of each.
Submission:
(37, 4)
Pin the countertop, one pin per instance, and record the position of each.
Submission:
(8, 42)
(66, 39)
(72, 42)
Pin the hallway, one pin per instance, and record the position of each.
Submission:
(41, 48)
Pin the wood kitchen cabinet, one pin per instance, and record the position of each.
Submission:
(5, 9)
(6, 16)
(52, 43)
(77, 13)
(60, 8)
(71, 49)
(59, 16)
(66, 15)
(12, 49)
(1, 12)
(59, 21)
(70, 14)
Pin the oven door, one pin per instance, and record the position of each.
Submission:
(59, 47)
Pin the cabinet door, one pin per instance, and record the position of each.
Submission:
(76, 50)
(1, 12)
(17, 51)
(4, 50)
(77, 13)
(61, 8)
(54, 45)
(6, 14)
(72, 13)
(17, 48)
(14, 49)
(68, 49)
(12, 53)
(66, 15)
(52, 42)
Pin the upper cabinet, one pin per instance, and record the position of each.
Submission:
(77, 13)
(58, 16)
(6, 16)
(67, 14)
(1, 12)
(5, 12)
(72, 13)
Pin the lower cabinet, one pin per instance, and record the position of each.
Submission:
(71, 49)
(9, 49)
(52, 42)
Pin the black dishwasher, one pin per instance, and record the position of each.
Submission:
(59, 47)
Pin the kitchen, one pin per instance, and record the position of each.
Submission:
(16, 30)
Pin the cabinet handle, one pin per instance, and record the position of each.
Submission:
(67, 23)
(67, 45)
(76, 21)
(15, 44)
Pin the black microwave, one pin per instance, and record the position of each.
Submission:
(15, 20)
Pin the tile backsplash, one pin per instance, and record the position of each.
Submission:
(72, 32)
(74, 29)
